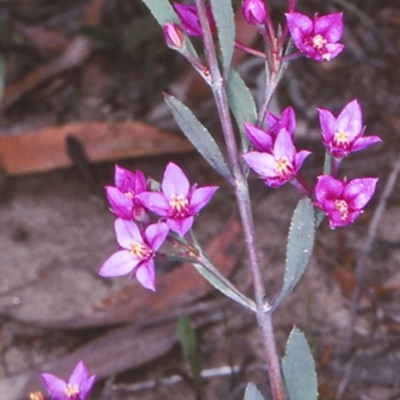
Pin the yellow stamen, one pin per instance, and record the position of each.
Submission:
(283, 167)
(318, 42)
(71, 390)
(343, 208)
(341, 137)
(36, 396)
(140, 250)
(178, 202)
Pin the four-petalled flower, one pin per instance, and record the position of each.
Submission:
(316, 38)
(78, 386)
(343, 201)
(344, 135)
(281, 164)
(123, 196)
(138, 251)
(178, 202)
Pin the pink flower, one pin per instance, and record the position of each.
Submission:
(178, 203)
(78, 386)
(123, 196)
(254, 11)
(281, 164)
(343, 201)
(138, 251)
(317, 38)
(263, 140)
(190, 19)
(344, 135)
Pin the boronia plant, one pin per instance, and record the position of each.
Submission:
(148, 215)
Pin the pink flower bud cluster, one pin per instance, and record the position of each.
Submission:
(138, 236)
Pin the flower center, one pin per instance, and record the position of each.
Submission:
(72, 391)
(180, 205)
(36, 396)
(130, 194)
(343, 208)
(318, 42)
(141, 251)
(284, 167)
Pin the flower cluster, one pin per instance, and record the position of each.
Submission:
(276, 160)
(131, 201)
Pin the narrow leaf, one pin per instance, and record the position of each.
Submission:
(187, 339)
(2, 74)
(162, 11)
(299, 368)
(252, 393)
(198, 135)
(224, 18)
(299, 248)
(242, 105)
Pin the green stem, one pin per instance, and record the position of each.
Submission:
(243, 199)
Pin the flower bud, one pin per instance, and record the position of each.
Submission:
(174, 36)
(254, 11)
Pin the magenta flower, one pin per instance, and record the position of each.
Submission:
(254, 11)
(281, 164)
(190, 19)
(123, 197)
(344, 135)
(343, 201)
(138, 251)
(78, 386)
(263, 140)
(178, 203)
(317, 38)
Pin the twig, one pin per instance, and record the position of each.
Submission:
(366, 251)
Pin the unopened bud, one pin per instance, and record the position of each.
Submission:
(174, 36)
(254, 11)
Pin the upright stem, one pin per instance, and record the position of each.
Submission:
(243, 199)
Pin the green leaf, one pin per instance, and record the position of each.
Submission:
(299, 248)
(162, 11)
(187, 339)
(2, 74)
(299, 368)
(242, 105)
(224, 19)
(198, 135)
(252, 393)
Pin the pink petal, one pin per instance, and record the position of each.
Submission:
(329, 125)
(120, 263)
(146, 275)
(284, 146)
(127, 232)
(299, 159)
(260, 139)
(330, 27)
(79, 374)
(156, 235)
(175, 181)
(201, 197)
(299, 26)
(359, 191)
(350, 118)
(155, 202)
(124, 179)
(364, 142)
(327, 188)
(54, 386)
(121, 205)
(86, 387)
(261, 163)
(180, 226)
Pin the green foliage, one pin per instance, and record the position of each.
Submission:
(252, 393)
(198, 135)
(299, 248)
(224, 18)
(187, 339)
(242, 105)
(299, 368)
